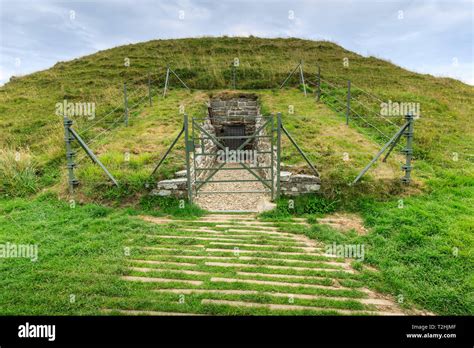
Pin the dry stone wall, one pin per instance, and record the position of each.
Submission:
(228, 111)
(298, 184)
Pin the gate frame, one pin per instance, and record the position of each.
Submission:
(196, 185)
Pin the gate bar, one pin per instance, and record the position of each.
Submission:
(279, 128)
(213, 138)
(272, 157)
(188, 168)
(215, 154)
(239, 137)
(223, 192)
(236, 168)
(210, 176)
(256, 175)
(222, 181)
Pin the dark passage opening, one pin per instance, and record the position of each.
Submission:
(234, 131)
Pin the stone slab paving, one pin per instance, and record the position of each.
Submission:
(220, 268)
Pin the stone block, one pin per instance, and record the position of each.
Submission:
(180, 174)
(312, 188)
(285, 176)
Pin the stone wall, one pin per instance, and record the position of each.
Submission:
(240, 109)
(176, 187)
(298, 184)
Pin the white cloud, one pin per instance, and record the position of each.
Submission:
(426, 39)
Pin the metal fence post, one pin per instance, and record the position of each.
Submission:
(408, 149)
(348, 109)
(149, 89)
(318, 83)
(302, 77)
(233, 75)
(125, 103)
(272, 155)
(68, 138)
(166, 80)
(187, 148)
(278, 155)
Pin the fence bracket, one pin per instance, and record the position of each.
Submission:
(71, 134)
(382, 150)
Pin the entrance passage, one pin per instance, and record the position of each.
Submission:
(233, 158)
(231, 136)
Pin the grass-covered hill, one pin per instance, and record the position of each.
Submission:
(420, 237)
(27, 104)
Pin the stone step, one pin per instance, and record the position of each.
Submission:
(247, 225)
(142, 312)
(300, 248)
(277, 283)
(336, 265)
(181, 271)
(161, 280)
(366, 301)
(268, 252)
(296, 268)
(241, 233)
(277, 275)
(272, 306)
(228, 241)
(274, 233)
(151, 262)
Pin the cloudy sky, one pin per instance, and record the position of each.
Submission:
(427, 36)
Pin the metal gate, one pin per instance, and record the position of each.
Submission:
(204, 151)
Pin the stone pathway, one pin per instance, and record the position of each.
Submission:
(250, 202)
(225, 264)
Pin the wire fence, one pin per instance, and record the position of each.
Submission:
(360, 107)
(141, 94)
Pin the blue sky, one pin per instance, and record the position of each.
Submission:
(430, 36)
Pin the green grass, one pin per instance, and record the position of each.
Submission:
(27, 112)
(83, 253)
(422, 247)
(412, 247)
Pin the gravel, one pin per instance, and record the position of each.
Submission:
(254, 202)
